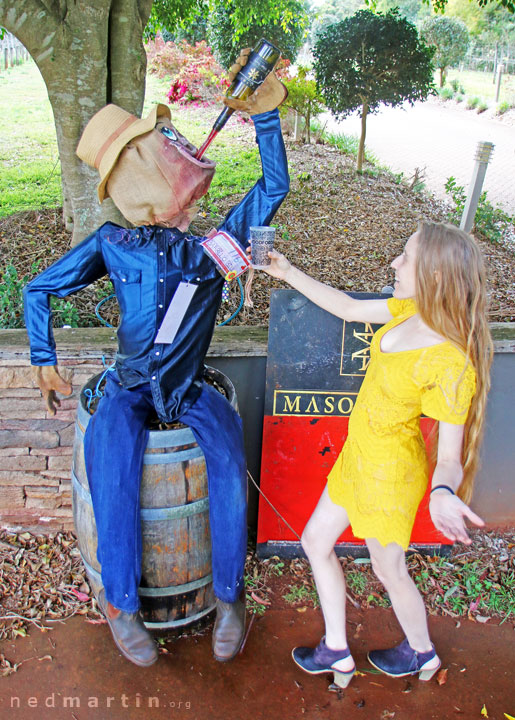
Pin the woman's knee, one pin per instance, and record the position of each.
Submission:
(389, 566)
(314, 543)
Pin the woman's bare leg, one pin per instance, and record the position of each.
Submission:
(323, 529)
(389, 564)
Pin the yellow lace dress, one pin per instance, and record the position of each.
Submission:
(381, 473)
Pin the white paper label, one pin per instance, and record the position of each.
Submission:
(226, 253)
(176, 312)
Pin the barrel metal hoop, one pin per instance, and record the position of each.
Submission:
(176, 589)
(177, 512)
(152, 514)
(173, 457)
(161, 591)
(156, 439)
(179, 623)
(169, 438)
(162, 439)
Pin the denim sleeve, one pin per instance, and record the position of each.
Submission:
(260, 204)
(78, 268)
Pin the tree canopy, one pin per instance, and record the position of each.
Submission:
(440, 5)
(287, 34)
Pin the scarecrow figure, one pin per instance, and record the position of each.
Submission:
(149, 170)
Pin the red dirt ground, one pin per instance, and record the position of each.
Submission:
(78, 661)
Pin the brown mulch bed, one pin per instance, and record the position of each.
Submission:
(462, 584)
(342, 228)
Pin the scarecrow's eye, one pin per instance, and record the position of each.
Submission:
(168, 132)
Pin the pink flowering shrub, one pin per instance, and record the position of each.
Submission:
(196, 76)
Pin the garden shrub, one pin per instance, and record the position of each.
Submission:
(504, 107)
(446, 93)
(11, 292)
(472, 103)
(457, 86)
(490, 220)
(195, 74)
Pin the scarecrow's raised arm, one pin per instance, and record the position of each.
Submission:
(261, 203)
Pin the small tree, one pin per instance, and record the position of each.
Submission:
(303, 97)
(450, 38)
(369, 59)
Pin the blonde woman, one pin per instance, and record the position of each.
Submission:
(432, 356)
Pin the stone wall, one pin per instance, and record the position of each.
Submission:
(36, 448)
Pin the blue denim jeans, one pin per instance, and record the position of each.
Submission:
(114, 445)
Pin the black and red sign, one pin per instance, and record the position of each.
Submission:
(315, 367)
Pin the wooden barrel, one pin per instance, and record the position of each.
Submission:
(176, 586)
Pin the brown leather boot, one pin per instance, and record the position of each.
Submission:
(229, 629)
(129, 633)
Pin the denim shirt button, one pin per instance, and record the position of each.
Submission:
(161, 253)
(160, 305)
(154, 377)
(157, 352)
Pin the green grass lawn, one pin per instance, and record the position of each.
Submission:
(479, 84)
(29, 161)
(30, 175)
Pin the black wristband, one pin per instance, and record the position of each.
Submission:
(442, 487)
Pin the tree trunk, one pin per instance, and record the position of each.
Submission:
(361, 149)
(442, 76)
(89, 54)
(296, 127)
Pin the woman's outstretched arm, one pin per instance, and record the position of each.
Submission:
(334, 301)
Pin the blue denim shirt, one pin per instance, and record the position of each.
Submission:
(146, 264)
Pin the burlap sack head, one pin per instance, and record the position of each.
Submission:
(146, 166)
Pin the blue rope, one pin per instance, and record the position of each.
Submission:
(97, 393)
(99, 305)
(240, 306)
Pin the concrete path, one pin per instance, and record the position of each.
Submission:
(443, 140)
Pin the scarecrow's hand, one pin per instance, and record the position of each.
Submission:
(268, 96)
(49, 382)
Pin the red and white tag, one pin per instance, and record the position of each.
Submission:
(225, 252)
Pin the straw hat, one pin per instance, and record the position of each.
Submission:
(108, 132)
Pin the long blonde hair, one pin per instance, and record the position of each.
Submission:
(451, 299)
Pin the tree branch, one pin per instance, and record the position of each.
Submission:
(31, 21)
